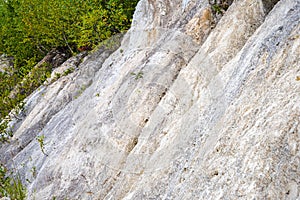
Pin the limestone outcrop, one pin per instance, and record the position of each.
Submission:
(200, 100)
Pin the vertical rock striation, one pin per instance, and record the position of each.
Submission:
(200, 101)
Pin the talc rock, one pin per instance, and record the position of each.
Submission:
(190, 106)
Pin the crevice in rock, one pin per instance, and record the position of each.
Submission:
(163, 94)
(132, 144)
(269, 4)
(219, 7)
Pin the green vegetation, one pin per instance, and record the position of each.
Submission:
(31, 29)
(217, 8)
(11, 186)
(137, 75)
(68, 71)
(41, 25)
(5, 134)
(220, 6)
(33, 171)
(41, 141)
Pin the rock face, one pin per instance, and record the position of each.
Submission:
(198, 102)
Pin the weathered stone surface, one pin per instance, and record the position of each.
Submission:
(6, 64)
(184, 109)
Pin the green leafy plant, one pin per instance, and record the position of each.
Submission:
(41, 141)
(10, 185)
(217, 8)
(57, 76)
(68, 71)
(33, 171)
(220, 6)
(5, 133)
(137, 75)
(41, 25)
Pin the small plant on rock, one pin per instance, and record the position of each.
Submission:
(68, 71)
(10, 185)
(137, 75)
(41, 142)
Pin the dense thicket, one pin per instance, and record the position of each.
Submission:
(33, 27)
(30, 29)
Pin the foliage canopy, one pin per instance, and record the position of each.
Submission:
(34, 27)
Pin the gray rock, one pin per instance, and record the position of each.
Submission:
(6, 64)
(186, 108)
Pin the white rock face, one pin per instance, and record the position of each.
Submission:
(187, 108)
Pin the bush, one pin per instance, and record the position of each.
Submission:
(41, 25)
